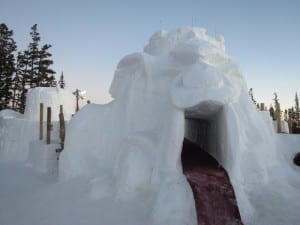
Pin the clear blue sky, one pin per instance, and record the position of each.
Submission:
(90, 37)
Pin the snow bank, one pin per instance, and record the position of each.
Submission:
(132, 145)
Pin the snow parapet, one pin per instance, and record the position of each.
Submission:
(134, 143)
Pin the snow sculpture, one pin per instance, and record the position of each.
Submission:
(133, 145)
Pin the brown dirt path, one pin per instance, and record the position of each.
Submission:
(214, 195)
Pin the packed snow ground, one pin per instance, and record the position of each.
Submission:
(29, 197)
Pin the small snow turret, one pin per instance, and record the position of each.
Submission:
(50, 97)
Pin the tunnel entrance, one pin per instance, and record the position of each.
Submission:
(213, 193)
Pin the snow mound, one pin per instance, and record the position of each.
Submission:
(132, 146)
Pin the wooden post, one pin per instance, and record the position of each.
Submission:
(278, 117)
(41, 120)
(77, 100)
(61, 127)
(49, 126)
(262, 106)
(290, 121)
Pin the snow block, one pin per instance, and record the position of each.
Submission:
(15, 135)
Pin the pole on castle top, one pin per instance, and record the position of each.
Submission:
(41, 120)
(49, 126)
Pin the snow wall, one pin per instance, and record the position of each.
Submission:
(18, 130)
(133, 144)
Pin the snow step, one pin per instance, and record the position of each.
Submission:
(213, 193)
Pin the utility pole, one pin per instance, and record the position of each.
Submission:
(79, 95)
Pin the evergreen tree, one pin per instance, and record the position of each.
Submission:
(272, 112)
(38, 72)
(297, 109)
(16, 82)
(61, 81)
(32, 56)
(251, 95)
(33, 69)
(19, 89)
(277, 107)
(276, 99)
(7, 65)
(45, 76)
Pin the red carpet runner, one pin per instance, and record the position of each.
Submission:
(214, 196)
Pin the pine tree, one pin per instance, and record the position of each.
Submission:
(296, 102)
(39, 73)
(61, 81)
(297, 109)
(19, 90)
(251, 95)
(277, 107)
(16, 83)
(45, 73)
(32, 56)
(7, 65)
(272, 112)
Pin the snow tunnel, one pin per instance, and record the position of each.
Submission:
(214, 196)
(202, 127)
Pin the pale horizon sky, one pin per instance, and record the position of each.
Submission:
(90, 37)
